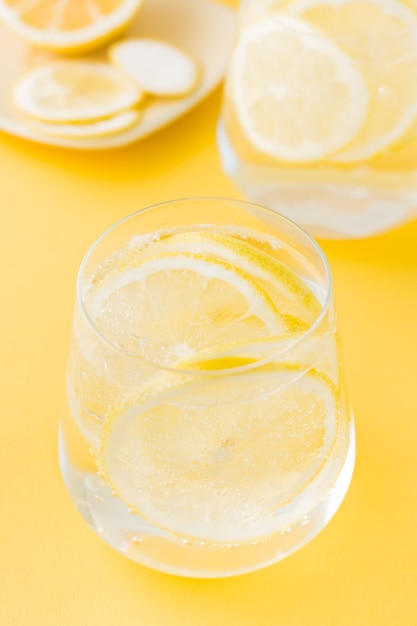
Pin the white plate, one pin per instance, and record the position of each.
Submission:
(201, 27)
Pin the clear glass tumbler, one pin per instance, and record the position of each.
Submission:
(207, 431)
(320, 112)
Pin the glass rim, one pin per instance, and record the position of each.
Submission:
(303, 335)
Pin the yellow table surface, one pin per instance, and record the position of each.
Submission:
(362, 568)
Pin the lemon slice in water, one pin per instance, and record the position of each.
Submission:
(298, 96)
(219, 470)
(381, 35)
(172, 305)
(293, 298)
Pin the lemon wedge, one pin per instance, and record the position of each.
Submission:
(75, 91)
(381, 35)
(297, 95)
(202, 470)
(158, 67)
(70, 26)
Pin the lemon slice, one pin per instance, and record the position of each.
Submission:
(221, 473)
(75, 91)
(289, 292)
(158, 67)
(170, 306)
(72, 25)
(298, 96)
(100, 128)
(381, 35)
(319, 351)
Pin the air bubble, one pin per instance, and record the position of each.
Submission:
(382, 92)
(137, 540)
(186, 542)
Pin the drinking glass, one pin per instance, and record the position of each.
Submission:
(319, 120)
(207, 431)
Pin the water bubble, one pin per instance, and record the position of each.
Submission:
(186, 542)
(137, 540)
(383, 92)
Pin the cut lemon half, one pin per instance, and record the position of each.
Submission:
(100, 128)
(170, 306)
(381, 35)
(298, 96)
(221, 473)
(289, 292)
(158, 67)
(72, 25)
(75, 91)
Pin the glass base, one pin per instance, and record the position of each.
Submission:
(153, 547)
(345, 204)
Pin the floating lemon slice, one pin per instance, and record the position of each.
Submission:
(173, 305)
(71, 25)
(288, 291)
(381, 35)
(75, 91)
(298, 96)
(319, 351)
(100, 128)
(158, 67)
(220, 473)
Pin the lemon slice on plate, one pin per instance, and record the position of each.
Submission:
(99, 128)
(158, 67)
(220, 473)
(298, 96)
(71, 25)
(381, 35)
(75, 91)
(170, 306)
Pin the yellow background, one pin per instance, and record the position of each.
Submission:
(361, 570)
